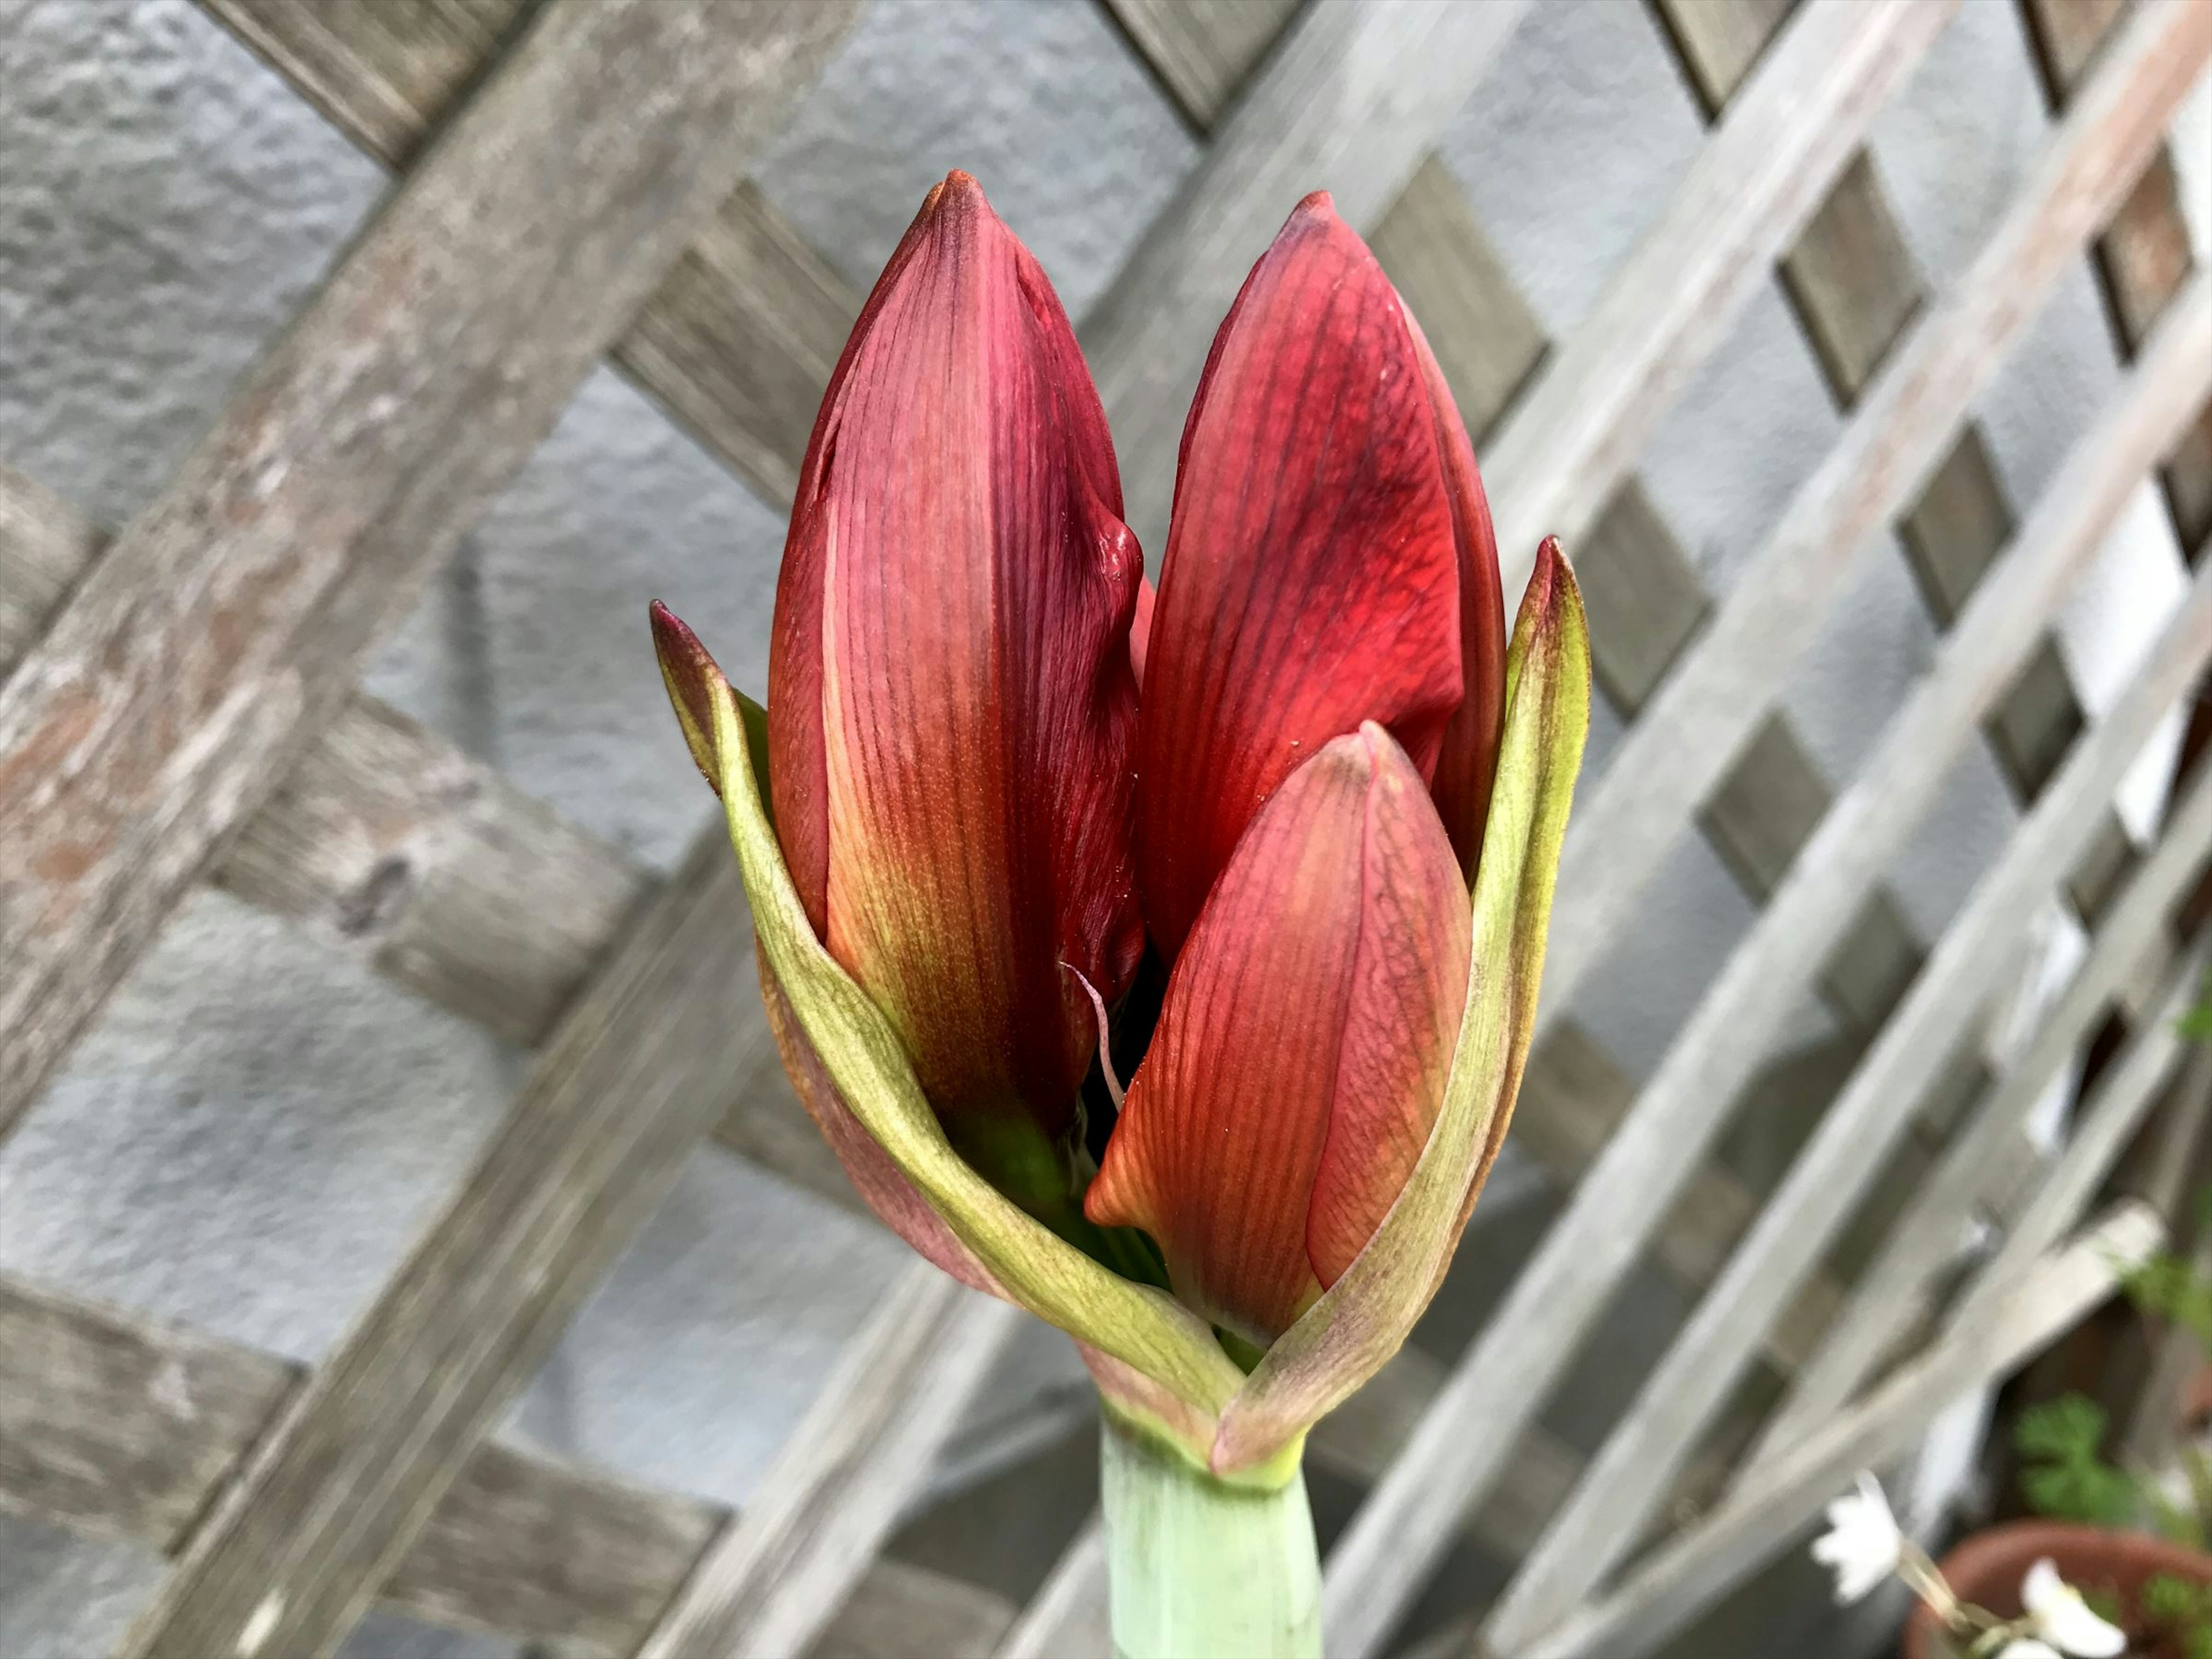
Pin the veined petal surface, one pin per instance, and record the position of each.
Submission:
(952, 703)
(1311, 577)
(1346, 1336)
(1301, 1053)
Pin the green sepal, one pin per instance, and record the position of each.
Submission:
(1363, 1319)
(1143, 1328)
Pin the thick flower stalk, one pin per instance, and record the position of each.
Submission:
(1308, 775)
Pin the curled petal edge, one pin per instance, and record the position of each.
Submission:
(1363, 1319)
(860, 1054)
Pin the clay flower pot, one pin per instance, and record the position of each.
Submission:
(1987, 1568)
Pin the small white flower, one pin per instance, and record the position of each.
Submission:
(1863, 1544)
(2062, 1618)
(2027, 1646)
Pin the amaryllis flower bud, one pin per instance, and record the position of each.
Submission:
(1300, 1057)
(943, 896)
(950, 699)
(1329, 560)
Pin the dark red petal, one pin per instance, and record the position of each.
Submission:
(1140, 631)
(1466, 764)
(952, 705)
(1302, 1050)
(1312, 577)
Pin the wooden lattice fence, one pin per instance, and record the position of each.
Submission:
(179, 706)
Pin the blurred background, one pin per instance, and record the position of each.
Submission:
(261, 1122)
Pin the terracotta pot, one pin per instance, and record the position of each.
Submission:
(1987, 1567)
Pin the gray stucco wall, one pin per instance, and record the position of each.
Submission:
(250, 1137)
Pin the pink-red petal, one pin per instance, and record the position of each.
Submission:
(1467, 762)
(1302, 1050)
(1312, 572)
(951, 701)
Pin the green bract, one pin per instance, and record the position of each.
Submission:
(1186, 1389)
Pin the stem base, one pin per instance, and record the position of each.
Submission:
(1199, 1569)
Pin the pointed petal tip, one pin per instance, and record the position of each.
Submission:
(692, 676)
(1552, 592)
(958, 194)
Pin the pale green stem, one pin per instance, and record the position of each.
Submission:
(1201, 1568)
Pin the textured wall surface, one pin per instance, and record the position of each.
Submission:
(251, 1134)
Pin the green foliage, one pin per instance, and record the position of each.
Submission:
(2064, 1476)
(2169, 1287)
(2173, 1603)
(2170, 1599)
(2196, 1023)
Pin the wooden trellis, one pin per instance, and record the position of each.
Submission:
(179, 705)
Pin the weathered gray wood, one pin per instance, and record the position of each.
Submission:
(389, 844)
(1501, 1380)
(123, 1427)
(1680, 1397)
(1767, 165)
(1853, 283)
(1201, 53)
(386, 74)
(222, 628)
(1764, 1515)
(900, 1610)
(386, 841)
(117, 1424)
(2021, 1302)
(740, 339)
(1486, 339)
(1898, 1283)
(2101, 1129)
(1067, 1618)
(332, 1497)
(1573, 1099)
(771, 1583)
(1698, 721)
(2146, 253)
(44, 549)
(1351, 101)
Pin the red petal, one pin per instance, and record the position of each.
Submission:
(1466, 764)
(1140, 631)
(951, 702)
(1312, 578)
(1302, 1050)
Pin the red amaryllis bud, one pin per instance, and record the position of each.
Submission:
(951, 705)
(1301, 1054)
(1329, 560)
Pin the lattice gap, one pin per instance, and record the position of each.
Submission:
(1803, 1268)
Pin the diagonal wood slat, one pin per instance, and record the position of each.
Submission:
(1897, 1286)
(1351, 99)
(1706, 711)
(1778, 1497)
(125, 1427)
(1768, 165)
(332, 1495)
(1675, 1403)
(1674, 752)
(767, 1587)
(440, 351)
(1766, 1515)
(222, 628)
(738, 340)
(2146, 254)
(1201, 54)
(392, 843)
(388, 842)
